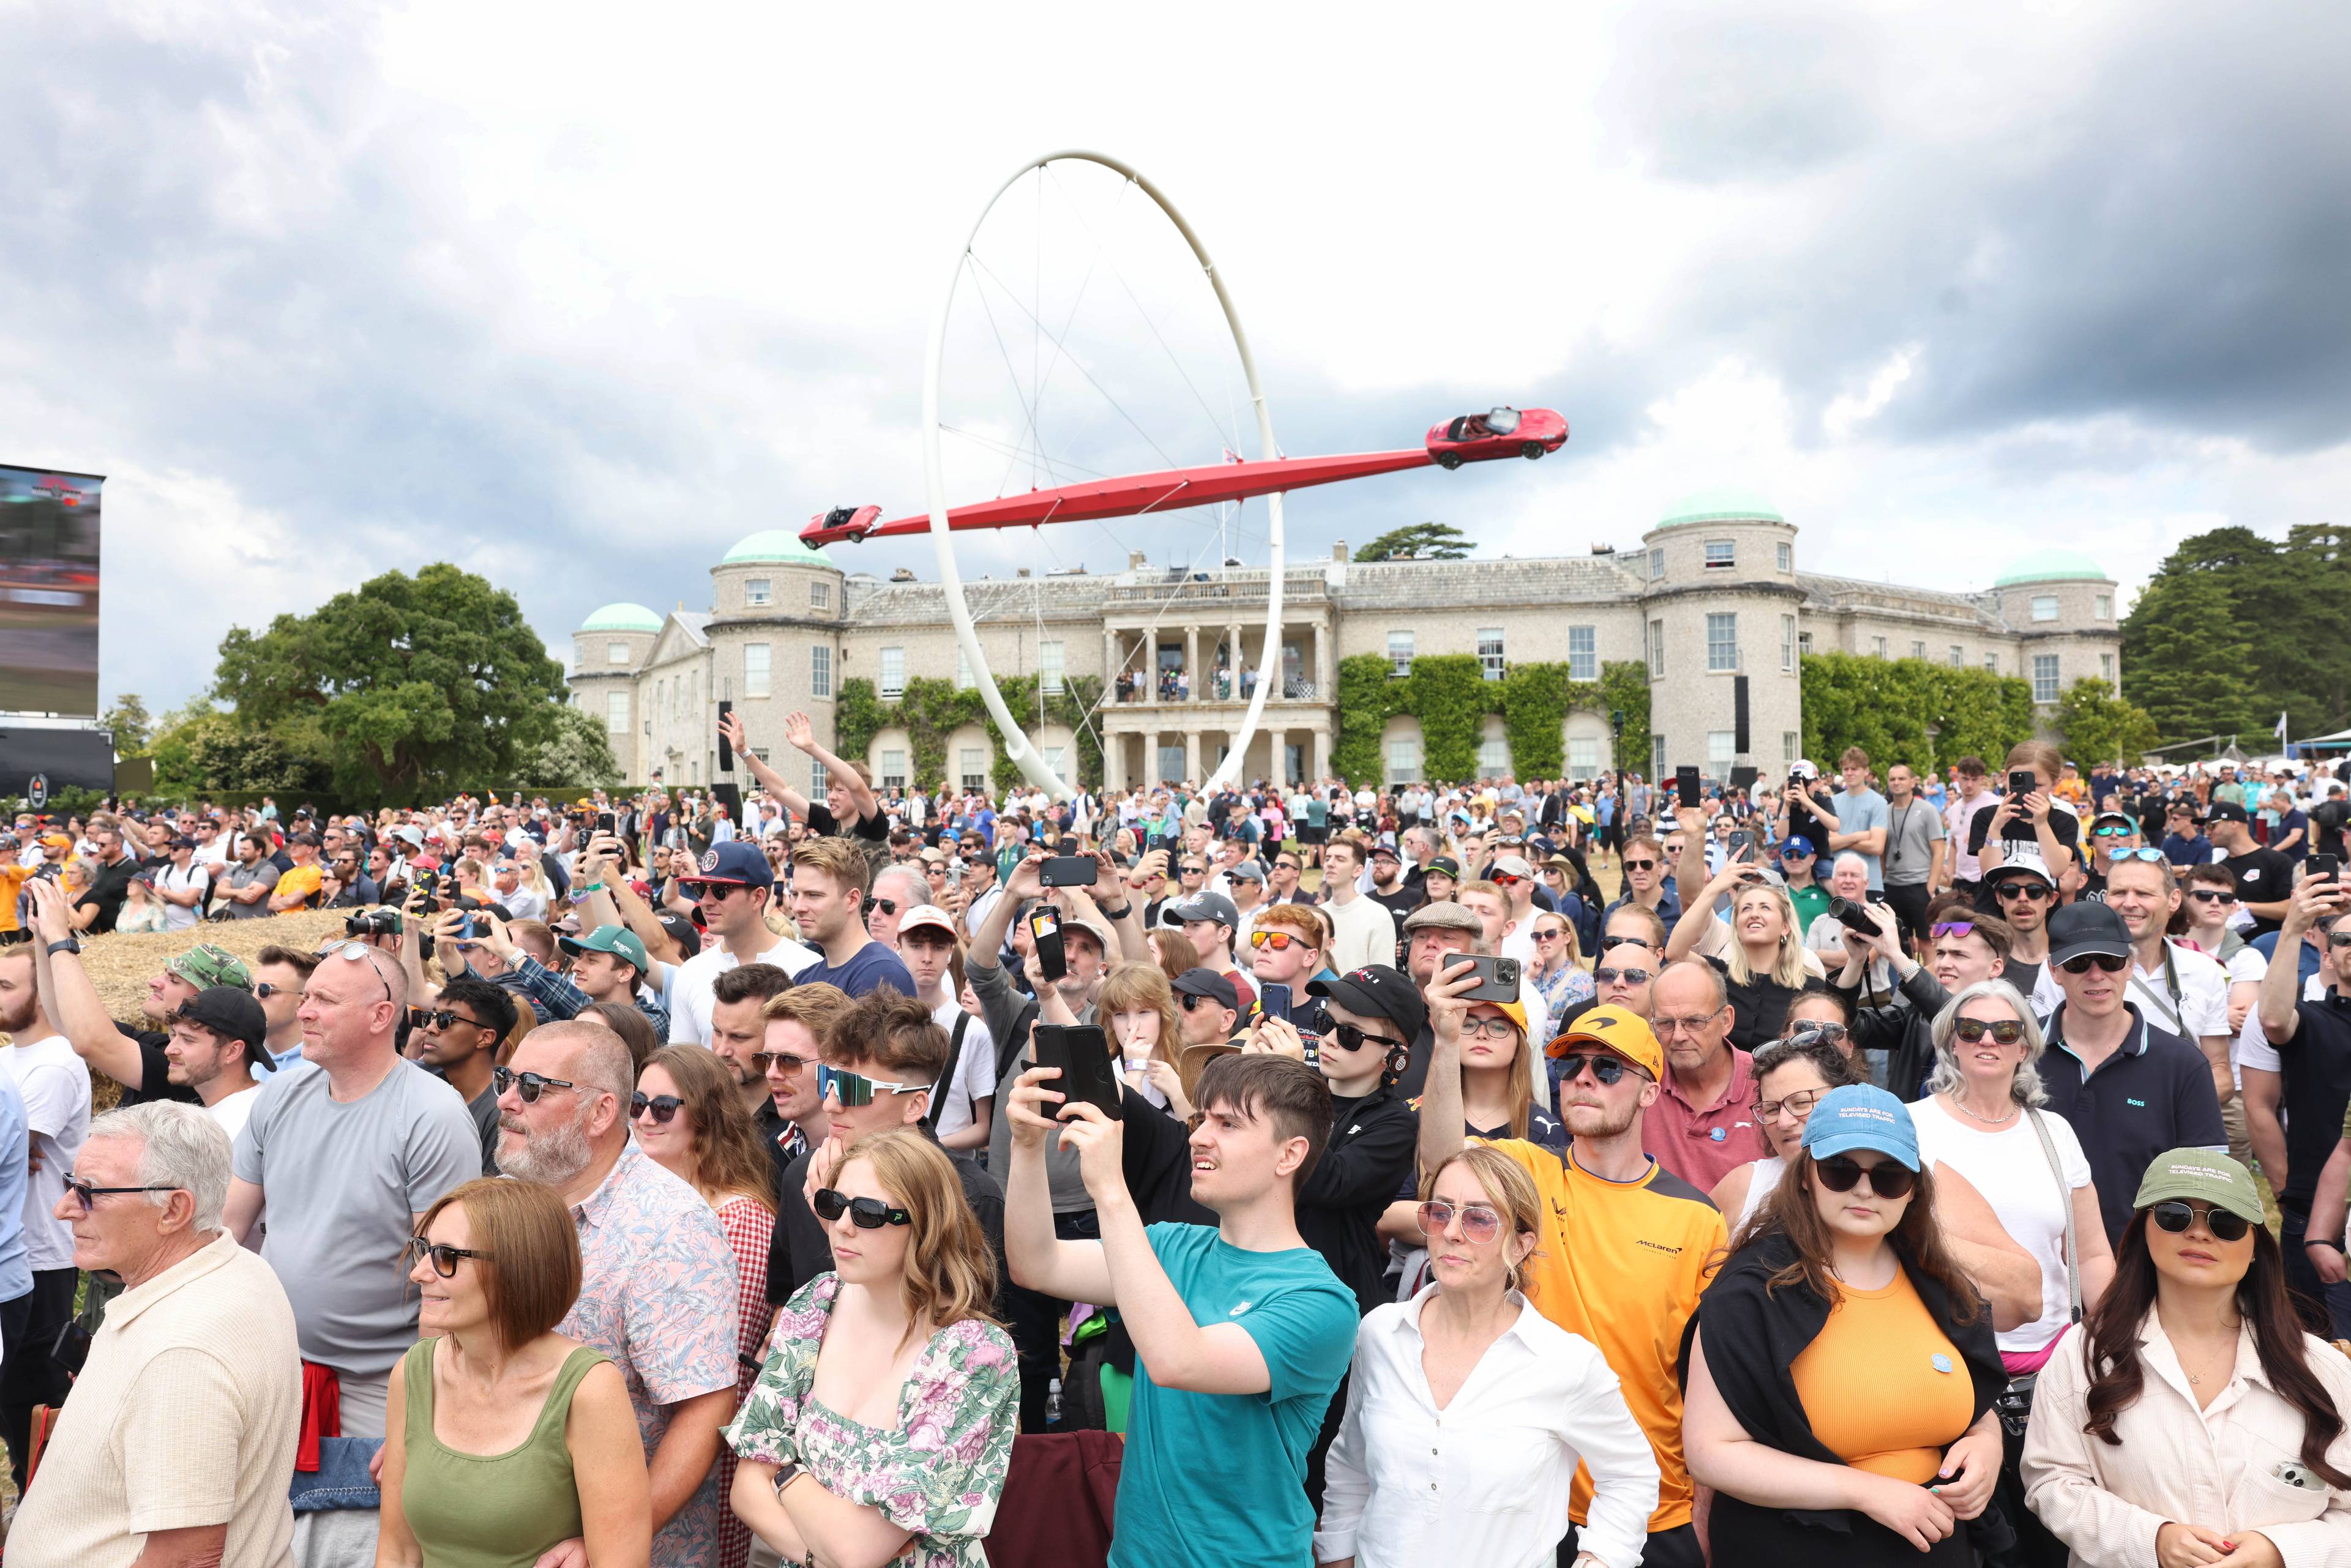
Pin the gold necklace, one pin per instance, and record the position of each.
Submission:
(2195, 1379)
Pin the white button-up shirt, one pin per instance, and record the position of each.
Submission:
(1482, 1483)
(2225, 1466)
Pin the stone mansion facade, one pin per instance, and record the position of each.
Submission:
(1713, 601)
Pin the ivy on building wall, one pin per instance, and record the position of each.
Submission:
(1450, 694)
(931, 710)
(1910, 710)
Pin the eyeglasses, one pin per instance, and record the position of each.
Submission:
(1839, 1174)
(1609, 976)
(866, 1213)
(445, 1257)
(2105, 963)
(2003, 1031)
(1480, 1223)
(1796, 1106)
(1666, 1027)
(355, 953)
(440, 1018)
(85, 1192)
(1952, 928)
(854, 1089)
(2176, 1214)
(1607, 1067)
(1818, 1030)
(1491, 1029)
(778, 1061)
(662, 1106)
(530, 1085)
(1640, 865)
(2030, 892)
(1350, 1038)
(2211, 895)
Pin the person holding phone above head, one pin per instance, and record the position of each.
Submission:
(1763, 962)
(1507, 1403)
(1843, 1374)
(2297, 1067)
(2030, 818)
(2191, 1420)
(881, 1428)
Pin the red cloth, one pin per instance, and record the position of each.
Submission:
(322, 1412)
(1059, 1501)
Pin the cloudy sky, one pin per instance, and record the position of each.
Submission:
(576, 295)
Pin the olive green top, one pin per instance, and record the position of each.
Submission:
(490, 1511)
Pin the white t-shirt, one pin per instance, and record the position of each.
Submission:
(173, 880)
(2010, 1169)
(689, 994)
(54, 1083)
(974, 1076)
(232, 1111)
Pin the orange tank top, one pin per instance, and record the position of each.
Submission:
(1883, 1385)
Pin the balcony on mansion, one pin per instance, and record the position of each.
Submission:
(1199, 641)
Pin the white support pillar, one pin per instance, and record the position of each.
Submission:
(1192, 663)
(1322, 751)
(1192, 771)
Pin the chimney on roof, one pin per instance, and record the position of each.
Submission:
(1021, 572)
(1135, 561)
(1339, 551)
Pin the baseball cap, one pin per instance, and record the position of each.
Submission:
(1213, 906)
(738, 863)
(1386, 848)
(1800, 769)
(236, 1015)
(1864, 1116)
(1511, 866)
(1216, 988)
(610, 939)
(1515, 1011)
(1796, 846)
(1247, 871)
(1443, 866)
(2126, 821)
(2202, 1174)
(1445, 915)
(926, 915)
(2225, 811)
(1620, 1030)
(205, 966)
(1377, 991)
(2086, 930)
(682, 930)
(2022, 858)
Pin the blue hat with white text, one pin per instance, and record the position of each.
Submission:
(1861, 1116)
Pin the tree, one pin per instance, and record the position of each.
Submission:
(2185, 661)
(1428, 541)
(2100, 726)
(1888, 707)
(128, 720)
(2188, 661)
(416, 684)
(578, 755)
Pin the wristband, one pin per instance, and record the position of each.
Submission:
(593, 887)
(1120, 912)
(2322, 1242)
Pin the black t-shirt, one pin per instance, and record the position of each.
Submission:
(108, 889)
(2263, 876)
(155, 1071)
(2064, 825)
(821, 820)
(1760, 1008)
(2313, 1087)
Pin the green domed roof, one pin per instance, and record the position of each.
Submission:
(2052, 566)
(1725, 504)
(622, 618)
(775, 545)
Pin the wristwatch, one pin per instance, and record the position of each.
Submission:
(1120, 912)
(791, 1471)
(66, 944)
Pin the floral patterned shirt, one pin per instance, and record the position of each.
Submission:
(657, 1294)
(938, 1473)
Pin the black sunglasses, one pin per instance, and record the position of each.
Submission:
(1609, 976)
(2003, 1031)
(2211, 895)
(2176, 1214)
(530, 1085)
(2105, 963)
(1840, 1173)
(866, 1213)
(665, 1107)
(1607, 1067)
(440, 1018)
(445, 1257)
(2028, 890)
(83, 1191)
(1350, 1038)
(1193, 1001)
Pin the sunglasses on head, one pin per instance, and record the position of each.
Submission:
(866, 1213)
(355, 953)
(1825, 1029)
(2003, 1031)
(1608, 976)
(2105, 963)
(529, 1085)
(2176, 1214)
(665, 1107)
(1839, 1173)
(854, 1089)
(1479, 1222)
(445, 1257)
(2030, 892)
(2152, 857)
(1952, 928)
(1608, 1069)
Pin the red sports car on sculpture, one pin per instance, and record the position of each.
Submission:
(841, 523)
(1498, 433)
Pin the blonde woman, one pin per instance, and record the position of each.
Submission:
(1468, 1412)
(1762, 957)
(882, 1426)
(1138, 1007)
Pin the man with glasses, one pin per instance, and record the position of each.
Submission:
(1286, 949)
(2297, 1062)
(2184, 842)
(1191, 880)
(896, 889)
(1283, 887)
(2021, 892)
(2110, 834)
(198, 1358)
(2130, 1090)
(348, 887)
(2177, 988)
(1625, 1246)
(354, 1153)
(732, 891)
(1702, 1127)
(1646, 883)
(458, 1037)
(278, 975)
(657, 1281)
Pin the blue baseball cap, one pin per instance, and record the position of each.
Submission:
(1861, 1116)
(1796, 844)
(735, 862)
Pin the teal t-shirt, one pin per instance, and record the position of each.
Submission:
(1218, 1481)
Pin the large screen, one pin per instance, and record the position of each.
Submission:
(48, 591)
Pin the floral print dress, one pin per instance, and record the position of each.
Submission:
(938, 1472)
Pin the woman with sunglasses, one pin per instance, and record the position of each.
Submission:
(882, 1426)
(2192, 1421)
(502, 1437)
(1469, 1411)
(1841, 1378)
(1559, 974)
(688, 1116)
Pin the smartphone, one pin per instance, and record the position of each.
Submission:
(1045, 927)
(1274, 998)
(1069, 871)
(1497, 978)
(465, 929)
(1739, 843)
(1083, 1053)
(2325, 865)
(1686, 786)
(605, 822)
(2021, 783)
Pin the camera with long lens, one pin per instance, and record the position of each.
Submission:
(372, 923)
(1852, 917)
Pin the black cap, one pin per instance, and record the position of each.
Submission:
(2086, 930)
(682, 931)
(2226, 811)
(233, 1014)
(1216, 988)
(1443, 866)
(1377, 991)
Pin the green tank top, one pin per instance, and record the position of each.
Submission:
(490, 1511)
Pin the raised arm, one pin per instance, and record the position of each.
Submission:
(1040, 1260)
(802, 735)
(1442, 1125)
(71, 999)
(731, 727)
(2316, 900)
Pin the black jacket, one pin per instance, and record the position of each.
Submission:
(1903, 1028)
(802, 1250)
(1373, 1143)
(1752, 1338)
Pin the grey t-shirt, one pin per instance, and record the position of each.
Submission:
(1911, 833)
(1858, 814)
(343, 1183)
(241, 877)
(1008, 1011)
(483, 1109)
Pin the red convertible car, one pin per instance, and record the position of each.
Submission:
(1497, 432)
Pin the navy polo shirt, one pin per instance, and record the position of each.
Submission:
(2154, 1094)
(2314, 1088)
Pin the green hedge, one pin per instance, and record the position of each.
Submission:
(930, 710)
(1885, 707)
(1450, 697)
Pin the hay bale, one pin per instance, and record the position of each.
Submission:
(120, 964)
